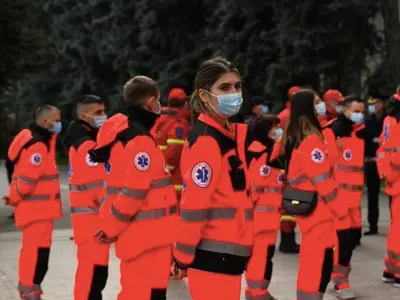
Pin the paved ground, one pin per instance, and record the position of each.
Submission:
(58, 285)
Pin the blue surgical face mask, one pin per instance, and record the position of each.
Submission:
(57, 126)
(99, 120)
(264, 109)
(320, 109)
(278, 134)
(371, 109)
(357, 118)
(228, 104)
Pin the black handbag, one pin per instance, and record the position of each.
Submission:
(297, 202)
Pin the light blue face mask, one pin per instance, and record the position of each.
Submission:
(372, 109)
(99, 120)
(57, 126)
(228, 104)
(357, 118)
(264, 109)
(320, 108)
(278, 134)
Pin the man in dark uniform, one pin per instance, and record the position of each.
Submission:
(373, 129)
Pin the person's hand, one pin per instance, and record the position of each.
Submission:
(176, 273)
(339, 144)
(102, 238)
(6, 200)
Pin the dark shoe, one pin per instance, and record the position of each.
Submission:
(387, 277)
(288, 243)
(372, 231)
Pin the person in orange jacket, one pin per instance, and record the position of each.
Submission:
(215, 236)
(303, 150)
(266, 187)
(35, 194)
(86, 195)
(388, 163)
(284, 115)
(142, 218)
(170, 132)
(334, 103)
(348, 169)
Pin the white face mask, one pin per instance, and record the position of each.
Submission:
(357, 118)
(320, 108)
(339, 109)
(228, 104)
(278, 134)
(371, 109)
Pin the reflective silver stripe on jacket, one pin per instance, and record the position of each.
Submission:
(212, 214)
(113, 190)
(309, 296)
(40, 197)
(351, 187)
(329, 197)
(184, 248)
(225, 247)
(141, 193)
(84, 210)
(392, 150)
(349, 168)
(263, 208)
(144, 215)
(87, 186)
(261, 189)
(321, 178)
(298, 180)
(30, 180)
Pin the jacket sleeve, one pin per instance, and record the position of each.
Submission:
(141, 166)
(175, 140)
(333, 152)
(201, 171)
(382, 154)
(31, 167)
(318, 169)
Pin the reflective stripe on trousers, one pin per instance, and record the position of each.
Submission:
(86, 186)
(340, 274)
(215, 246)
(309, 296)
(212, 214)
(144, 215)
(351, 187)
(141, 193)
(258, 284)
(40, 197)
(29, 180)
(266, 296)
(30, 292)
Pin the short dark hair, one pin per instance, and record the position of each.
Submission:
(43, 110)
(89, 99)
(352, 98)
(263, 125)
(140, 87)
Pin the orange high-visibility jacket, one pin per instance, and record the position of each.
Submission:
(170, 132)
(86, 181)
(388, 155)
(348, 164)
(216, 231)
(310, 170)
(35, 186)
(144, 213)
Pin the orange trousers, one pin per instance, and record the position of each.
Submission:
(34, 258)
(146, 277)
(92, 271)
(315, 260)
(260, 266)
(392, 259)
(348, 236)
(213, 286)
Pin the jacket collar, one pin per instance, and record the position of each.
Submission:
(144, 117)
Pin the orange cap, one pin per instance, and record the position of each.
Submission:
(177, 94)
(293, 90)
(333, 95)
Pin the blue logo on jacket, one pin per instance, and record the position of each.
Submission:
(107, 167)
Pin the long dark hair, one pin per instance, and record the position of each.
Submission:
(262, 125)
(303, 120)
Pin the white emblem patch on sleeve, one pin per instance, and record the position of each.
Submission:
(317, 156)
(36, 159)
(347, 155)
(201, 174)
(90, 162)
(142, 161)
(264, 170)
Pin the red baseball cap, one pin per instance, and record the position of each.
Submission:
(397, 97)
(177, 94)
(293, 90)
(333, 95)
